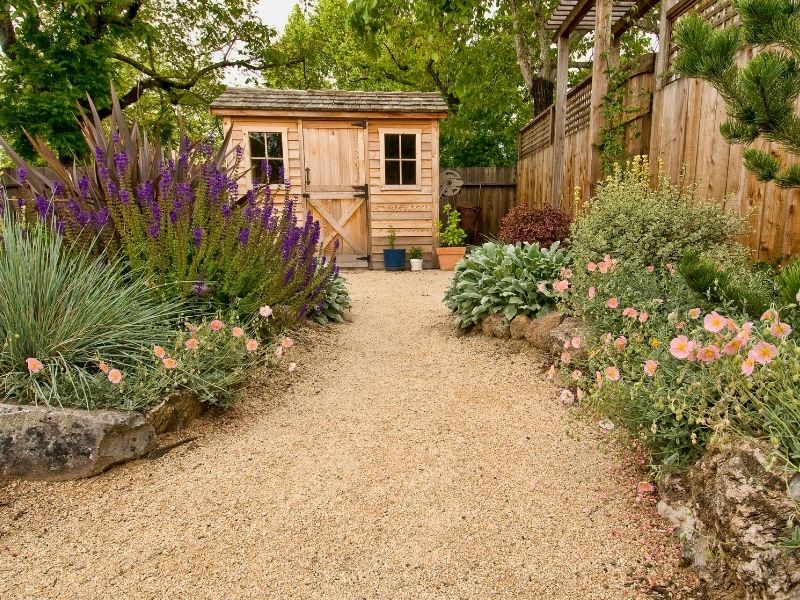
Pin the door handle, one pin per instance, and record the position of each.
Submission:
(308, 175)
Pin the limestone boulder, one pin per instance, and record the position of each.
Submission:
(519, 325)
(175, 412)
(538, 331)
(54, 444)
(495, 325)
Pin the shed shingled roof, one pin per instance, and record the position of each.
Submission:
(329, 100)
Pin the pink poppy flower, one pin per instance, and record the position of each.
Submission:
(251, 345)
(592, 267)
(680, 325)
(650, 268)
(643, 316)
(780, 330)
(566, 273)
(237, 332)
(115, 376)
(650, 367)
(566, 357)
(770, 315)
(265, 311)
(567, 398)
(576, 374)
(103, 367)
(192, 344)
(708, 353)
(732, 347)
(763, 353)
(681, 347)
(694, 313)
(744, 333)
(603, 267)
(612, 373)
(542, 287)
(279, 351)
(169, 363)
(576, 342)
(607, 338)
(748, 364)
(287, 342)
(34, 365)
(612, 302)
(714, 322)
(216, 325)
(567, 345)
(592, 293)
(292, 367)
(620, 343)
(671, 268)
(159, 351)
(561, 286)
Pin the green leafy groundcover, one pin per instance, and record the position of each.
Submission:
(511, 279)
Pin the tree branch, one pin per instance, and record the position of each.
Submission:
(452, 100)
(8, 35)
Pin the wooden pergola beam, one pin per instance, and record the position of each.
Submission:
(602, 60)
(635, 12)
(559, 121)
(573, 19)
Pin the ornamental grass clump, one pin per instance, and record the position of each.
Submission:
(179, 220)
(512, 279)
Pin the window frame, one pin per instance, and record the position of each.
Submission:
(266, 128)
(415, 131)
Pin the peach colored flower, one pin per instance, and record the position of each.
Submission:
(650, 367)
(681, 347)
(603, 267)
(576, 374)
(115, 376)
(612, 302)
(287, 342)
(607, 338)
(567, 345)
(763, 353)
(620, 343)
(579, 394)
(566, 357)
(265, 311)
(567, 398)
(192, 344)
(780, 330)
(770, 315)
(561, 286)
(694, 313)
(643, 316)
(576, 342)
(541, 287)
(237, 332)
(292, 367)
(714, 322)
(650, 268)
(797, 297)
(708, 353)
(191, 328)
(566, 273)
(251, 345)
(103, 367)
(748, 364)
(34, 365)
(680, 325)
(671, 268)
(630, 312)
(169, 362)
(732, 326)
(279, 351)
(592, 267)
(612, 373)
(592, 293)
(732, 347)
(551, 372)
(744, 333)
(216, 325)
(159, 351)
(598, 379)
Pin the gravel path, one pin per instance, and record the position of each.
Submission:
(397, 461)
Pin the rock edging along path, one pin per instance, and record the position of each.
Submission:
(397, 461)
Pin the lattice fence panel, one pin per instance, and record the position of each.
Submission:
(538, 134)
(579, 106)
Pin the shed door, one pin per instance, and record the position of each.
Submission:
(335, 188)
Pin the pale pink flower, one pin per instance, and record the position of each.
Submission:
(612, 373)
(763, 353)
(671, 268)
(159, 351)
(576, 374)
(650, 367)
(567, 345)
(607, 338)
(620, 343)
(748, 364)
(576, 342)
(192, 344)
(592, 267)
(34, 365)
(561, 286)
(770, 315)
(714, 322)
(643, 316)
(681, 347)
(780, 330)
(732, 326)
(265, 311)
(650, 268)
(708, 353)
(744, 333)
(579, 394)
(612, 302)
(592, 293)
(732, 347)
(542, 287)
(680, 325)
(237, 332)
(694, 313)
(292, 367)
(598, 379)
(566, 357)
(567, 398)
(279, 351)
(630, 312)
(216, 325)
(251, 345)
(103, 367)
(603, 267)
(551, 372)
(169, 363)
(566, 273)
(115, 376)
(287, 342)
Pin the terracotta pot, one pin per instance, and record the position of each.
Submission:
(449, 257)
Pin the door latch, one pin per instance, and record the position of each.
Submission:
(308, 175)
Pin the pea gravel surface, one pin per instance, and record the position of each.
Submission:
(398, 460)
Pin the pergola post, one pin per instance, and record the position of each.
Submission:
(602, 61)
(559, 120)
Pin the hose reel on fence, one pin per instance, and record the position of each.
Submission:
(470, 212)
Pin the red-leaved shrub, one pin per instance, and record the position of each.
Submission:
(534, 225)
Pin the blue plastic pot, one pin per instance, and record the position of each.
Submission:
(394, 259)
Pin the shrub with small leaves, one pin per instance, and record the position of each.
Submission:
(534, 225)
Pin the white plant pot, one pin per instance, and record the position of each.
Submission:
(416, 264)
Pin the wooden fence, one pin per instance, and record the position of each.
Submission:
(677, 124)
(492, 190)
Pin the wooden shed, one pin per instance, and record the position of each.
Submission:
(361, 162)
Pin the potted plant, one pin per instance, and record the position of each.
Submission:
(416, 258)
(394, 259)
(451, 238)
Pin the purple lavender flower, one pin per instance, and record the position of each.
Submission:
(335, 245)
(99, 154)
(100, 218)
(166, 178)
(115, 137)
(266, 172)
(58, 189)
(198, 236)
(153, 230)
(155, 209)
(249, 211)
(104, 172)
(184, 192)
(121, 161)
(226, 212)
(22, 175)
(145, 193)
(21, 203)
(183, 160)
(200, 288)
(83, 218)
(287, 277)
(124, 196)
(173, 217)
(83, 187)
(43, 205)
(74, 208)
(216, 185)
(244, 236)
(238, 151)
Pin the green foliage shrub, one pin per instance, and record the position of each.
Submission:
(450, 234)
(334, 304)
(506, 279)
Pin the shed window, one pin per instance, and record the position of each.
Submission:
(266, 156)
(400, 158)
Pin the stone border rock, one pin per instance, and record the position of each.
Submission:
(547, 333)
(55, 444)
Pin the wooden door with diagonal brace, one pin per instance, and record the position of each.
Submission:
(335, 191)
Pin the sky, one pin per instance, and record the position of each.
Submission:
(275, 12)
